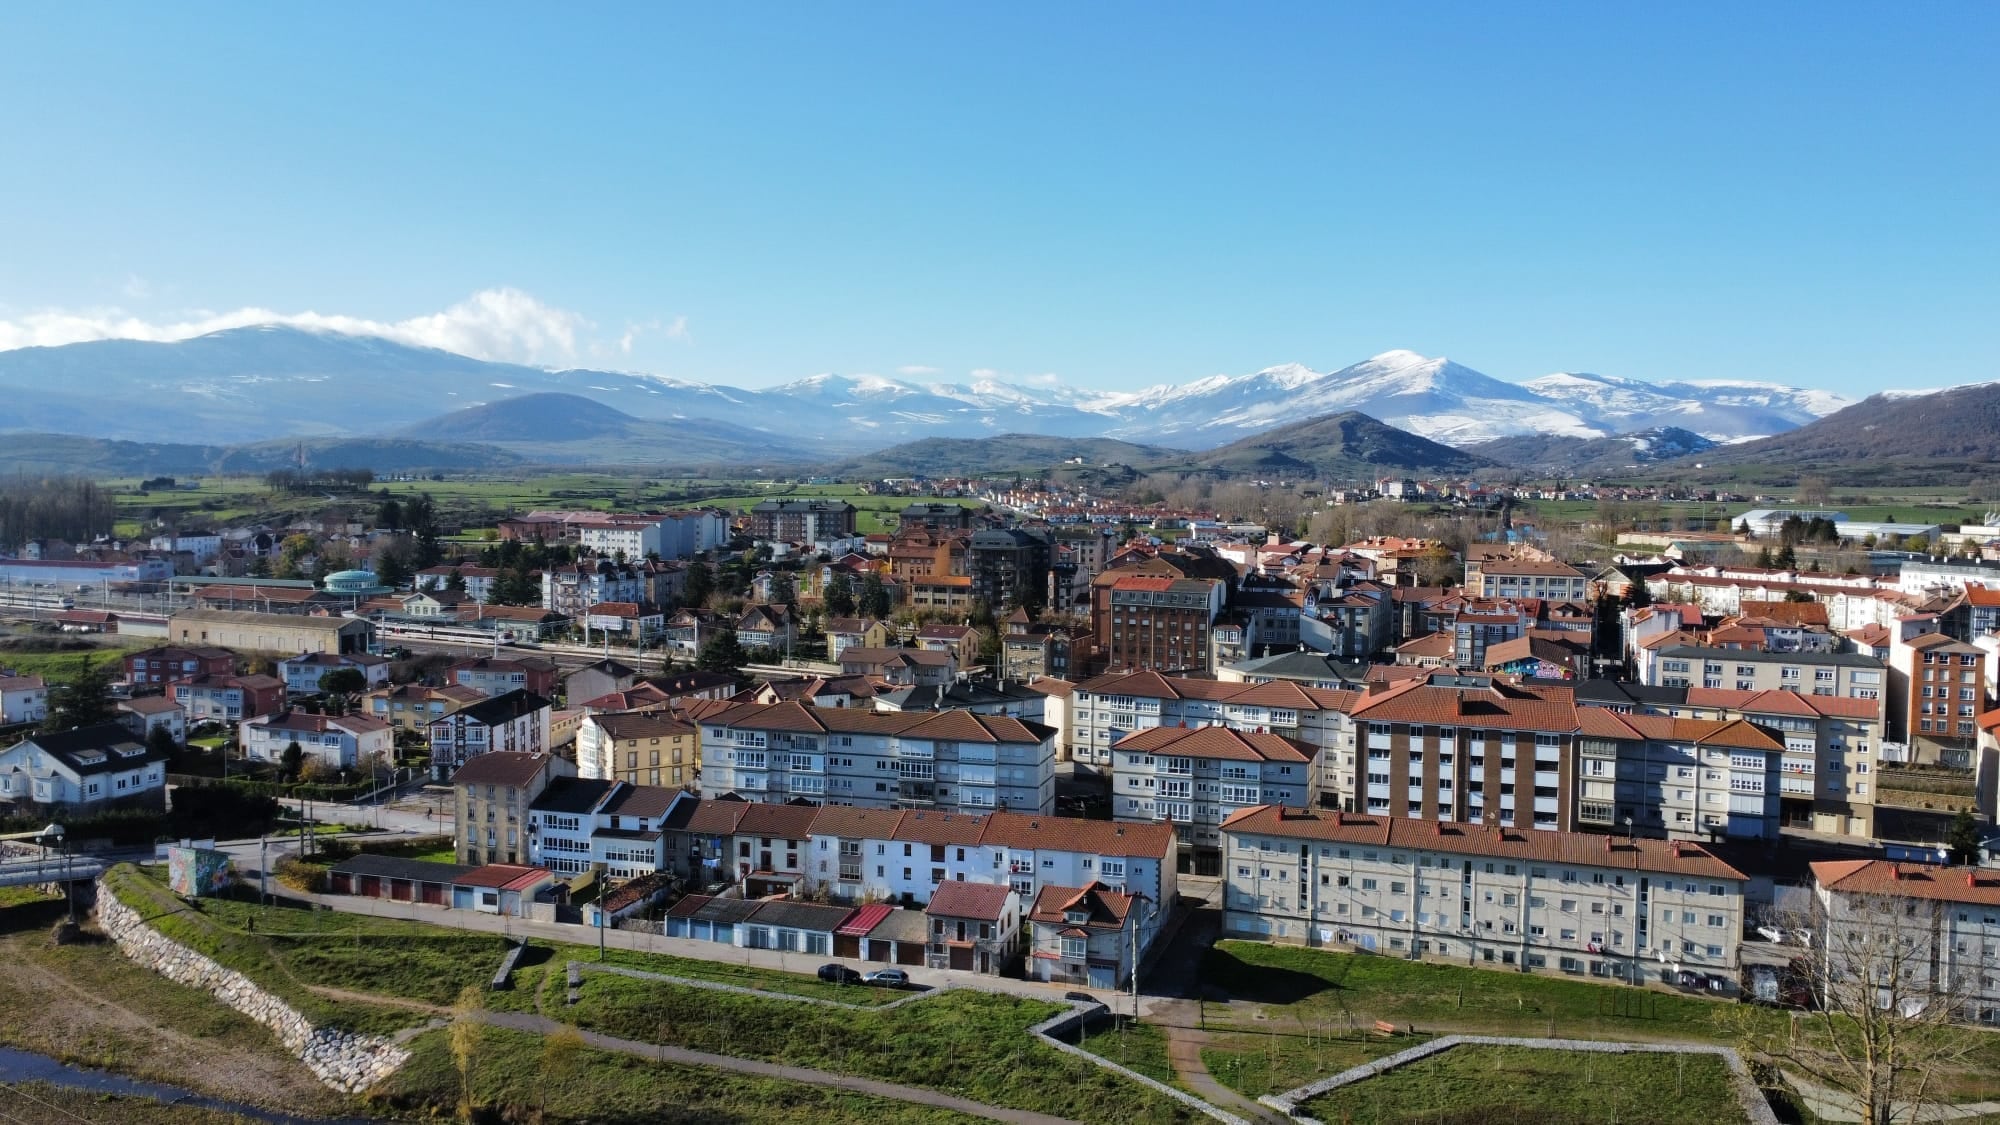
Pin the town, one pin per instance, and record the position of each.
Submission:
(1014, 744)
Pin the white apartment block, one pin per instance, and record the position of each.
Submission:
(1687, 779)
(1828, 772)
(1945, 920)
(1543, 579)
(1846, 674)
(1197, 777)
(948, 760)
(861, 855)
(1106, 708)
(1523, 900)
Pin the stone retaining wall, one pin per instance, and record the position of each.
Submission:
(1052, 1030)
(346, 1061)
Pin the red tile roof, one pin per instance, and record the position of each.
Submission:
(984, 901)
(1976, 885)
(1217, 743)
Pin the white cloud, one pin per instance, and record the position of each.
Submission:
(675, 329)
(497, 324)
(1045, 379)
(916, 369)
(136, 288)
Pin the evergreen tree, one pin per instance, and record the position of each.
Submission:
(1963, 838)
(293, 758)
(874, 597)
(392, 564)
(722, 653)
(1743, 529)
(81, 701)
(342, 681)
(1786, 558)
(160, 740)
(456, 583)
(389, 516)
(700, 583)
(1764, 560)
(784, 590)
(840, 595)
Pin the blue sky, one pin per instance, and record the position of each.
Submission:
(1113, 195)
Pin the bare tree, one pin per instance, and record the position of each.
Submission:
(1886, 995)
(466, 1033)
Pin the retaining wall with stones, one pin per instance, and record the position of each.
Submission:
(1756, 1110)
(346, 1061)
(1052, 1030)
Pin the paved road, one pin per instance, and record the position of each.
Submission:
(543, 1025)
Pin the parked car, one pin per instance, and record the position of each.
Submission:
(888, 978)
(838, 974)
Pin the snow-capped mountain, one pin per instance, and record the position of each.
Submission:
(263, 382)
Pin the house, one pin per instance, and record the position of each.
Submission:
(514, 720)
(343, 742)
(302, 673)
(597, 678)
(168, 664)
(82, 769)
(974, 926)
(588, 824)
(769, 626)
(649, 747)
(634, 623)
(1525, 900)
(1029, 648)
(142, 714)
(270, 632)
(843, 633)
(507, 889)
(228, 698)
(497, 675)
(902, 667)
(411, 707)
(1086, 935)
(491, 796)
(23, 699)
(690, 630)
(961, 641)
(762, 848)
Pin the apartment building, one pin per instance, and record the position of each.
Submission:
(1848, 674)
(498, 675)
(411, 707)
(1938, 694)
(571, 590)
(617, 829)
(1528, 901)
(478, 580)
(1104, 709)
(862, 855)
(491, 796)
(1197, 777)
(1828, 776)
(1687, 779)
(638, 748)
(1928, 929)
(516, 720)
(1542, 579)
(228, 698)
(801, 521)
(950, 760)
(168, 664)
(343, 742)
(1144, 621)
(1008, 566)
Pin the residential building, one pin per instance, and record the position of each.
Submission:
(143, 713)
(961, 641)
(1541, 579)
(771, 626)
(1030, 648)
(491, 796)
(571, 590)
(1830, 776)
(1104, 709)
(228, 698)
(982, 696)
(302, 673)
(82, 770)
(477, 580)
(901, 667)
(945, 760)
(690, 630)
(171, 664)
(270, 632)
(1089, 935)
(1525, 900)
(1155, 622)
(342, 742)
(1687, 779)
(612, 827)
(1008, 566)
(639, 747)
(937, 517)
(517, 720)
(23, 699)
(1938, 696)
(1302, 667)
(597, 678)
(843, 633)
(801, 521)
(1937, 929)
(1848, 674)
(497, 675)
(975, 927)
(1197, 777)
(411, 707)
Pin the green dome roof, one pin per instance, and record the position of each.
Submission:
(354, 582)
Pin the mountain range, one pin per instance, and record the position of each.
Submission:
(268, 382)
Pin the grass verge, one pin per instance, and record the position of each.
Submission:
(1477, 1085)
(1138, 1047)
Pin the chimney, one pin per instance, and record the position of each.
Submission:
(1339, 820)
(1607, 843)
(1896, 872)
(1972, 878)
(1675, 847)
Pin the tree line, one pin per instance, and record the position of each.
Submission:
(70, 508)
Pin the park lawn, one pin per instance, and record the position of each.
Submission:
(1138, 1047)
(62, 666)
(443, 854)
(1258, 1063)
(1472, 1085)
(973, 1044)
(514, 1080)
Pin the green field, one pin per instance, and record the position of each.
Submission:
(1309, 1013)
(1138, 1047)
(56, 666)
(1476, 1085)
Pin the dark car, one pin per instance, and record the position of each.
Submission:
(838, 974)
